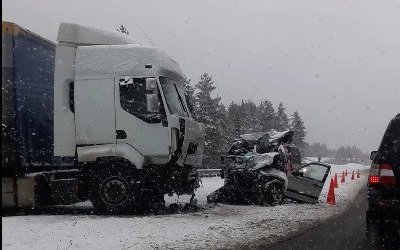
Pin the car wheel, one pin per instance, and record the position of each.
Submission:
(214, 197)
(218, 195)
(113, 191)
(273, 195)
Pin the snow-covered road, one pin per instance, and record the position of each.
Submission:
(215, 226)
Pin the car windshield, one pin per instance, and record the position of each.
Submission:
(174, 98)
(314, 171)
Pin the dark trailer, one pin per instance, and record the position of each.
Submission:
(28, 100)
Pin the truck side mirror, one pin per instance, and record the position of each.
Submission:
(152, 103)
(373, 154)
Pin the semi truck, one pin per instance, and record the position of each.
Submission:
(96, 117)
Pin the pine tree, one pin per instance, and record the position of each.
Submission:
(235, 121)
(266, 116)
(348, 154)
(190, 95)
(282, 119)
(212, 114)
(299, 130)
(206, 105)
(123, 29)
(341, 153)
(250, 117)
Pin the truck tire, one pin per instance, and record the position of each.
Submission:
(273, 195)
(115, 191)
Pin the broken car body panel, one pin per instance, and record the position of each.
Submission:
(306, 183)
(256, 161)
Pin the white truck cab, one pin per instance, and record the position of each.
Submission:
(121, 120)
(119, 98)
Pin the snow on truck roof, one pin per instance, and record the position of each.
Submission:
(115, 54)
(100, 61)
(79, 35)
(108, 54)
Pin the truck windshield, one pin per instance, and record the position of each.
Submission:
(174, 99)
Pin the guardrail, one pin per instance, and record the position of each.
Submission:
(209, 172)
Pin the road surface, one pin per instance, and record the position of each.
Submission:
(347, 231)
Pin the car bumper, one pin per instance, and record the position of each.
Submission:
(377, 202)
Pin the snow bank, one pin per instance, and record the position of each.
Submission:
(348, 190)
(215, 226)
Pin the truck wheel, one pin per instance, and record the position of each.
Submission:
(114, 191)
(273, 195)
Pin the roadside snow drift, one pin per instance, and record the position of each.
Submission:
(215, 226)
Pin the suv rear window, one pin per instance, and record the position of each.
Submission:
(390, 145)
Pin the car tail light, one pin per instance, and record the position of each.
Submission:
(373, 174)
(373, 179)
(387, 174)
(381, 174)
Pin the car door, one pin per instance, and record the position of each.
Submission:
(306, 183)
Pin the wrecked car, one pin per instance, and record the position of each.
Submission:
(263, 168)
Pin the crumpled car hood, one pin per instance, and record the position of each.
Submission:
(260, 160)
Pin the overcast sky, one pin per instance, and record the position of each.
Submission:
(336, 62)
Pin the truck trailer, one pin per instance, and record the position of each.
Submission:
(96, 117)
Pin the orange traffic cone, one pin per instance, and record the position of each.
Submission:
(335, 181)
(358, 173)
(343, 178)
(331, 194)
(352, 175)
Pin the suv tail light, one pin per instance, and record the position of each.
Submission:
(387, 174)
(381, 174)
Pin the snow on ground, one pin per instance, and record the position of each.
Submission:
(343, 191)
(311, 159)
(215, 226)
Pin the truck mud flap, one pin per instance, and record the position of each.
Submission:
(8, 193)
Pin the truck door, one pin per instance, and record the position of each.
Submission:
(305, 184)
(141, 122)
(94, 111)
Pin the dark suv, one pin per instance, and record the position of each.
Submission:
(384, 177)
